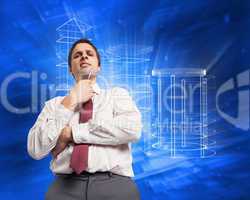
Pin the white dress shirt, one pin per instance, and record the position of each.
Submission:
(116, 122)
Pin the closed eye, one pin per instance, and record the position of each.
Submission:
(90, 53)
(77, 54)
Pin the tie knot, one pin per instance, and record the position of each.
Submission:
(88, 104)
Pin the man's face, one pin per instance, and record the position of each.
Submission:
(84, 61)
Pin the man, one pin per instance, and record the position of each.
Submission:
(88, 132)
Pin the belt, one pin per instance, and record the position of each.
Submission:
(85, 174)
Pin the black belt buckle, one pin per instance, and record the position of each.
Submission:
(110, 174)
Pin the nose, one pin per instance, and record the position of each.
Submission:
(84, 57)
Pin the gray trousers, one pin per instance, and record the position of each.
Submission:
(97, 186)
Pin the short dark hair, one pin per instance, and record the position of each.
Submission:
(83, 40)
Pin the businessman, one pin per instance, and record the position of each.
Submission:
(88, 133)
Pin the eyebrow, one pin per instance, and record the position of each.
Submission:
(77, 51)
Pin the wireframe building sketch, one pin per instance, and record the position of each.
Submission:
(68, 33)
(182, 117)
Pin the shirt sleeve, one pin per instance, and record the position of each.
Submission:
(43, 135)
(125, 127)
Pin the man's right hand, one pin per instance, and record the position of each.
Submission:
(80, 93)
(63, 140)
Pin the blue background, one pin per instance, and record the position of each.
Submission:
(181, 33)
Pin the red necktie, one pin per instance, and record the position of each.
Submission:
(79, 157)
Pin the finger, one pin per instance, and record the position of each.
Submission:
(92, 95)
(54, 153)
(58, 148)
(90, 90)
(84, 82)
(61, 147)
(87, 81)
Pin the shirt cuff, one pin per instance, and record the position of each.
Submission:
(62, 118)
(80, 133)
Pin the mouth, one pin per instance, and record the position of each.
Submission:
(84, 64)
